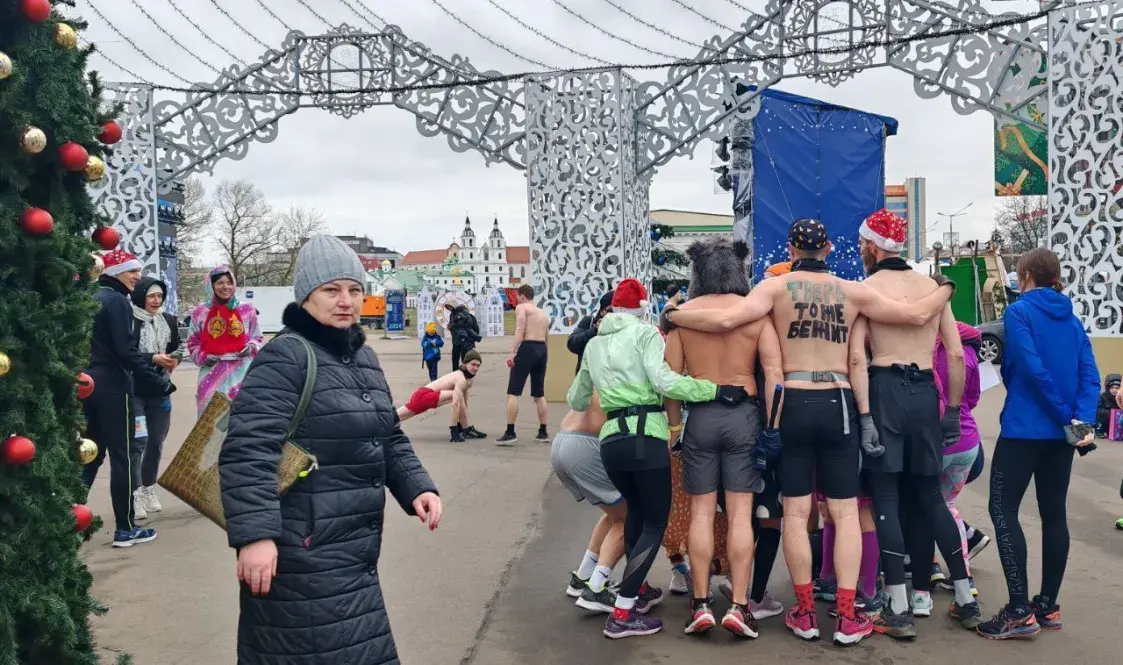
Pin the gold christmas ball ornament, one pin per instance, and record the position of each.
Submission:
(5, 66)
(5, 364)
(87, 451)
(66, 36)
(99, 265)
(95, 169)
(33, 140)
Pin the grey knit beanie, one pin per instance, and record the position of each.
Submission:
(321, 260)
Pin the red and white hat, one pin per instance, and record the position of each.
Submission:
(119, 261)
(629, 294)
(885, 230)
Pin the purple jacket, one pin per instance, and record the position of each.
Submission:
(971, 390)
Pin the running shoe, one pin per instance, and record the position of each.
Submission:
(541, 436)
(576, 585)
(649, 597)
(766, 608)
(456, 437)
(863, 605)
(824, 589)
(701, 620)
(506, 439)
(680, 579)
(135, 536)
(949, 585)
(630, 623)
(740, 623)
(937, 575)
(968, 616)
(1010, 624)
(805, 625)
(921, 604)
(977, 543)
(1049, 616)
(470, 432)
(849, 631)
(898, 626)
(603, 601)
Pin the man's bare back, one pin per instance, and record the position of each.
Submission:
(589, 421)
(535, 322)
(451, 381)
(902, 344)
(726, 358)
(813, 320)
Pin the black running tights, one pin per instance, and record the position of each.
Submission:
(1049, 464)
(924, 503)
(647, 492)
(767, 545)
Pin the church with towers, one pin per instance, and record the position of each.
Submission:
(473, 263)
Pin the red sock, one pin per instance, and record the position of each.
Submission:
(804, 597)
(845, 600)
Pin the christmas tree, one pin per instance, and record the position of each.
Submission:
(52, 135)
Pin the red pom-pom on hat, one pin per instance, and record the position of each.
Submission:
(629, 294)
(885, 229)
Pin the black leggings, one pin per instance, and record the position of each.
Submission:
(646, 488)
(767, 545)
(1049, 464)
(925, 510)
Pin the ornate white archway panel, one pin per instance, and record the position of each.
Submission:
(1086, 159)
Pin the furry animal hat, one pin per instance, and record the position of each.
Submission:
(717, 266)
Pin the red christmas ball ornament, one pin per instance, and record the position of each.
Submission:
(36, 222)
(110, 132)
(18, 450)
(85, 385)
(107, 237)
(36, 11)
(83, 516)
(72, 156)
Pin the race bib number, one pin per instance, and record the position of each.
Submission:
(140, 429)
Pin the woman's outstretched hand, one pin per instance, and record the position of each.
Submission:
(257, 564)
(428, 509)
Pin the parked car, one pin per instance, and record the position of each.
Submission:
(994, 341)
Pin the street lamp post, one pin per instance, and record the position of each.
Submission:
(951, 226)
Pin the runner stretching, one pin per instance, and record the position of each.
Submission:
(719, 443)
(527, 359)
(451, 388)
(813, 313)
(905, 406)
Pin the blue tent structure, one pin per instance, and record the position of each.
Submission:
(809, 158)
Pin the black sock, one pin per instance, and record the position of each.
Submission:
(697, 603)
(767, 544)
(542, 430)
(460, 428)
(511, 430)
(816, 538)
(454, 430)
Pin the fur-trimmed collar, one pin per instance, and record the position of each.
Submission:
(337, 341)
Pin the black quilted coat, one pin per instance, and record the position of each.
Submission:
(325, 606)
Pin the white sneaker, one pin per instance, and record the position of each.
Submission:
(680, 579)
(151, 501)
(766, 608)
(138, 505)
(921, 604)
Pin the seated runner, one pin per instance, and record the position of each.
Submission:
(451, 388)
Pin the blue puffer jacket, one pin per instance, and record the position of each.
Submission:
(1048, 368)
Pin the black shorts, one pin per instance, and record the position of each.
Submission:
(530, 361)
(718, 444)
(820, 434)
(906, 409)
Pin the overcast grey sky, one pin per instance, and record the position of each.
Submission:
(375, 175)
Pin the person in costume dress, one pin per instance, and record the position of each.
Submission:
(224, 338)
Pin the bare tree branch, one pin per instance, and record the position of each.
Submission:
(1022, 222)
(294, 227)
(191, 229)
(243, 228)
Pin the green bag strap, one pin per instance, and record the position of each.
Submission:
(306, 392)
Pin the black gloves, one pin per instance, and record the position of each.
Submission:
(665, 320)
(940, 280)
(950, 425)
(768, 445)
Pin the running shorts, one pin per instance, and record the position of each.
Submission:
(530, 362)
(717, 448)
(423, 399)
(821, 437)
(577, 462)
(905, 406)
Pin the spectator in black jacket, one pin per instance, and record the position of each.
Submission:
(587, 329)
(1107, 402)
(157, 336)
(119, 371)
(465, 331)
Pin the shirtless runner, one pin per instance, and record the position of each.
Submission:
(452, 387)
(813, 313)
(719, 443)
(527, 359)
(904, 403)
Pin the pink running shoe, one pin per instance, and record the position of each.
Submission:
(851, 630)
(740, 623)
(805, 625)
(701, 621)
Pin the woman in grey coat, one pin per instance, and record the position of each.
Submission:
(308, 560)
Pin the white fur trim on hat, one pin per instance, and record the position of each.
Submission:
(881, 241)
(131, 264)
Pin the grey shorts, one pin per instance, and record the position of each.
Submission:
(717, 448)
(577, 461)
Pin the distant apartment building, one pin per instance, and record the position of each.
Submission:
(909, 201)
(370, 254)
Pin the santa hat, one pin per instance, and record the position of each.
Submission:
(629, 295)
(885, 230)
(119, 261)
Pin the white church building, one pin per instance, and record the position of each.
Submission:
(472, 264)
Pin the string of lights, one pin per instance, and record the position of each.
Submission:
(372, 12)
(315, 13)
(204, 32)
(130, 42)
(361, 17)
(103, 56)
(885, 42)
(546, 37)
(239, 25)
(651, 26)
(705, 18)
(175, 41)
(487, 39)
(608, 34)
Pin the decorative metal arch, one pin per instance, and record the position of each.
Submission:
(590, 140)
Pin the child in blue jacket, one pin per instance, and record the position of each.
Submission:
(431, 344)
